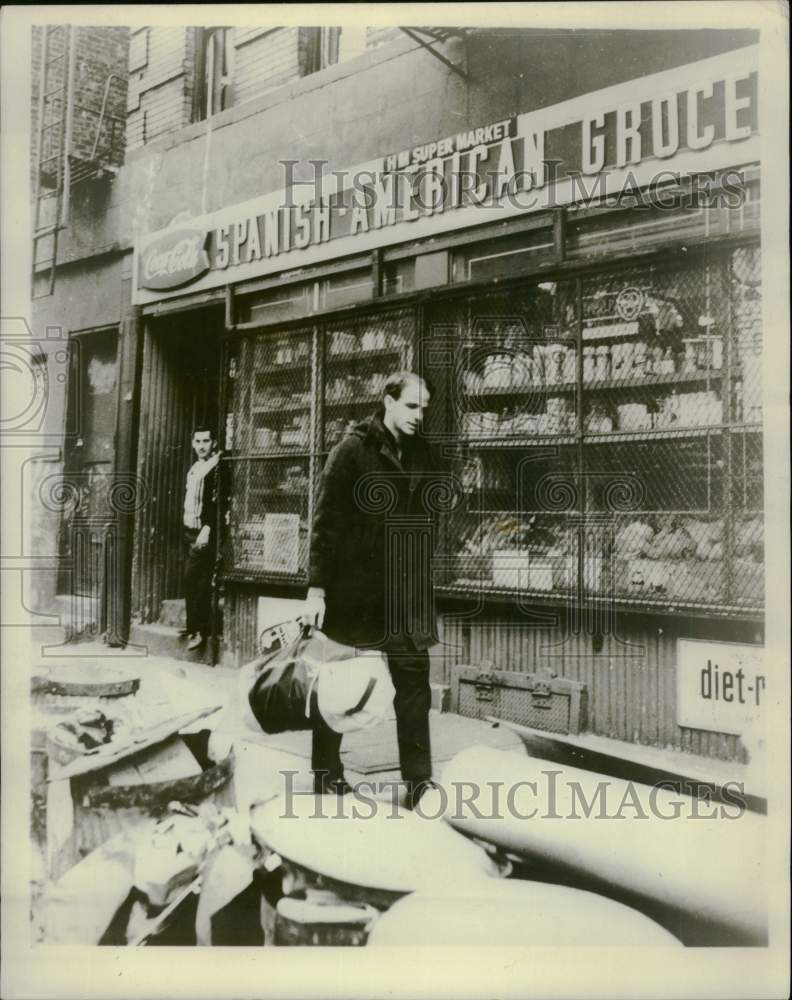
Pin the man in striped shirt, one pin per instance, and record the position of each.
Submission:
(200, 528)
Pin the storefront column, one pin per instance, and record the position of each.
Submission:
(128, 493)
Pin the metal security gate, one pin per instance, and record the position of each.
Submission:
(609, 439)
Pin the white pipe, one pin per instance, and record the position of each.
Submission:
(702, 861)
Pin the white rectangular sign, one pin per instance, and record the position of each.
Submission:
(721, 686)
(281, 543)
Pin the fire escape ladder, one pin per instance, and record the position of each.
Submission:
(51, 180)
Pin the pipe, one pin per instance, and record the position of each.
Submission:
(702, 858)
(67, 140)
(101, 113)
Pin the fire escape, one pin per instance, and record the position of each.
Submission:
(58, 165)
(428, 38)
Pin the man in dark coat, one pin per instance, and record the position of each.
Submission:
(370, 570)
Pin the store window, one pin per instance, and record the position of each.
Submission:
(280, 424)
(503, 258)
(327, 46)
(609, 436)
(293, 301)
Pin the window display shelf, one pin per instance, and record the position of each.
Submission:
(653, 381)
(286, 408)
(289, 368)
(463, 589)
(597, 385)
(345, 357)
(497, 442)
(336, 404)
(651, 434)
(280, 451)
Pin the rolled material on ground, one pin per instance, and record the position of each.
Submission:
(363, 842)
(513, 913)
(699, 857)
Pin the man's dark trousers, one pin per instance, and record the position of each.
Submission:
(409, 670)
(198, 567)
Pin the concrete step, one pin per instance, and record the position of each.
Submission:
(162, 640)
(78, 615)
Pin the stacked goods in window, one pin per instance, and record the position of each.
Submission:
(652, 355)
(358, 359)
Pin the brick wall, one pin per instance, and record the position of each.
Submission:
(98, 53)
(161, 82)
(100, 68)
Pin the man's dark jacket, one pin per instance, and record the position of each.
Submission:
(370, 509)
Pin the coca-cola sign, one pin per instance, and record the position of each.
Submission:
(174, 260)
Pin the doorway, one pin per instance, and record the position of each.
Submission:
(181, 380)
(88, 461)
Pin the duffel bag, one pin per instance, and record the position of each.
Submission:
(315, 676)
(279, 686)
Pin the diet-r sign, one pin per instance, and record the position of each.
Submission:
(721, 686)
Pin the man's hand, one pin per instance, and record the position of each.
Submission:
(203, 537)
(314, 607)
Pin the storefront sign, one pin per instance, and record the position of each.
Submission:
(646, 132)
(721, 687)
(174, 260)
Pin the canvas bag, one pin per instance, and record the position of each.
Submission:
(356, 692)
(287, 688)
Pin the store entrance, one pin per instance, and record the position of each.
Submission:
(180, 390)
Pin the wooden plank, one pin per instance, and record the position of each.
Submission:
(167, 761)
(111, 753)
(157, 794)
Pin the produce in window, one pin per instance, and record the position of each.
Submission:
(634, 539)
(671, 543)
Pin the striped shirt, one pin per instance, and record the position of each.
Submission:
(193, 494)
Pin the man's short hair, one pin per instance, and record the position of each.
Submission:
(203, 429)
(397, 382)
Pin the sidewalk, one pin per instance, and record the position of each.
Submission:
(266, 765)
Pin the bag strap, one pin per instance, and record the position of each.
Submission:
(372, 683)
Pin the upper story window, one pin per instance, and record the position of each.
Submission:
(214, 71)
(328, 46)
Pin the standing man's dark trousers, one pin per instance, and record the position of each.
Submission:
(198, 567)
(410, 674)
